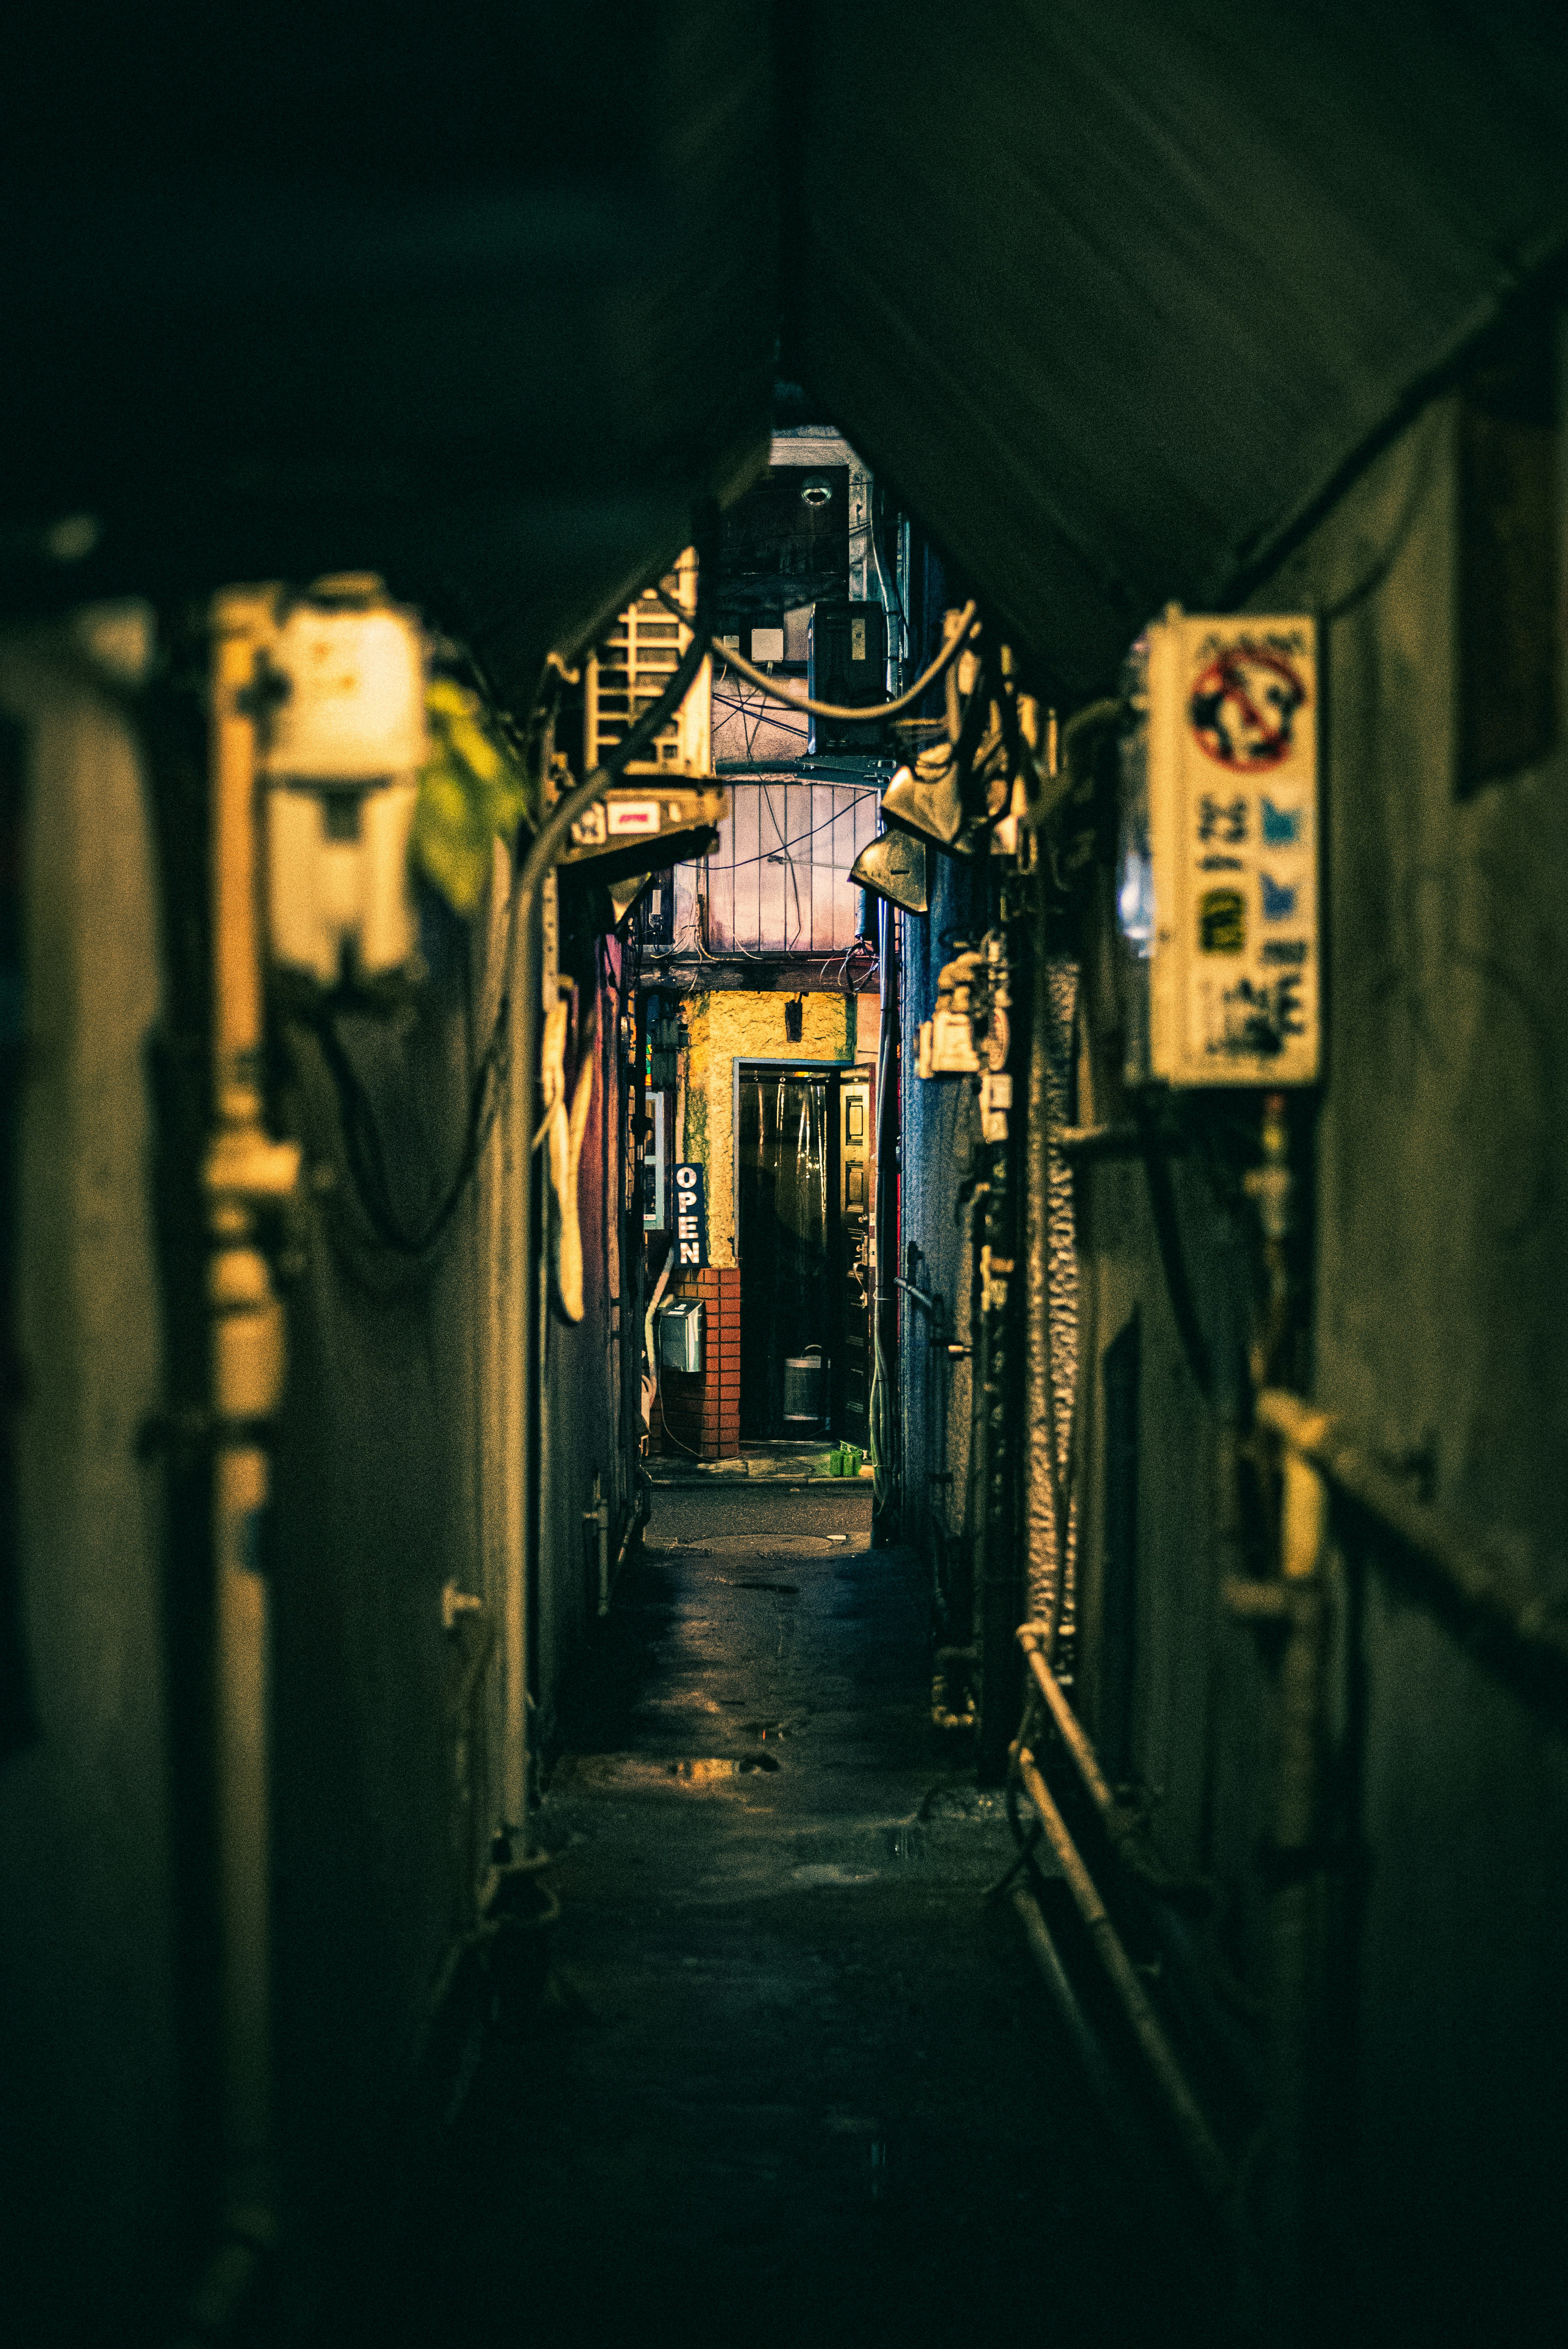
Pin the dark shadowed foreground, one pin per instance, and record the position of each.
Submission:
(793, 2078)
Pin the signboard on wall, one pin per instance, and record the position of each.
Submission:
(1219, 889)
(691, 1219)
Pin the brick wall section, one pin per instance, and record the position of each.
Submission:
(703, 1414)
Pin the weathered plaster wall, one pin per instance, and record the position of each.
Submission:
(91, 2151)
(725, 1027)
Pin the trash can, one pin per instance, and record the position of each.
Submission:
(803, 1390)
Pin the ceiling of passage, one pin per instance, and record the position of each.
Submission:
(1112, 293)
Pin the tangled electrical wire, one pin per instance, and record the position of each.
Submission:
(841, 714)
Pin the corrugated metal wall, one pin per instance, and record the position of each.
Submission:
(778, 883)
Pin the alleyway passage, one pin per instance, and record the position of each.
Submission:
(795, 2080)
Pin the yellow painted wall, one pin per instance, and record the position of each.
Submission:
(725, 1027)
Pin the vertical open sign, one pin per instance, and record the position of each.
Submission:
(691, 1218)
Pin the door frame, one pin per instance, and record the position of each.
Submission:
(762, 1060)
(864, 1070)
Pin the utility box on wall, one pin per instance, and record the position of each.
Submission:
(847, 664)
(1218, 873)
(680, 1334)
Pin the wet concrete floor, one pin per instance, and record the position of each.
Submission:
(794, 2079)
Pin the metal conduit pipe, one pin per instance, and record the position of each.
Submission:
(1129, 2128)
(244, 1171)
(1197, 2140)
(1470, 1569)
(1044, 1951)
(1034, 1638)
(1320, 1457)
(923, 1298)
(1123, 1825)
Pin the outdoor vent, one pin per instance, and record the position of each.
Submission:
(629, 670)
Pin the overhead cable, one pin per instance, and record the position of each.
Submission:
(839, 714)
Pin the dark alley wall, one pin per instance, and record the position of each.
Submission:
(1432, 1252)
(1439, 1263)
(1442, 1271)
(396, 1480)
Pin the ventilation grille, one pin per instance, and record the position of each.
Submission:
(630, 670)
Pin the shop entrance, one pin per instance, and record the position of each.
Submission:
(803, 1175)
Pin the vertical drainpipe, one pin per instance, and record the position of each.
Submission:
(1294, 1904)
(518, 1329)
(246, 1172)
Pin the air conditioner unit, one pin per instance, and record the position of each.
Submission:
(626, 672)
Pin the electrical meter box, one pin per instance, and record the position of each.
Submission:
(1218, 876)
(342, 679)
(680, 1334)
(846, 664)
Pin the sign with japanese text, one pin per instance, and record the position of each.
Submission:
(1232, 783)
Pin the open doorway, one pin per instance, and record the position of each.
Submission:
(803, 1175)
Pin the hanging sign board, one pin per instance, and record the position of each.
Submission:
(691, 1219)
(1218, 894)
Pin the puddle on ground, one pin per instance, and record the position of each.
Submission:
(762, 1548)
(827, 1871)
(646, 1774)
(754, 1582)
(679, 1704)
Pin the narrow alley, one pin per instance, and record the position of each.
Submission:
(783, 1235)
(743, 2107)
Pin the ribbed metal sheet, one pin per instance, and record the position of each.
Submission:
(1112, 295)
(1052, 1284)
